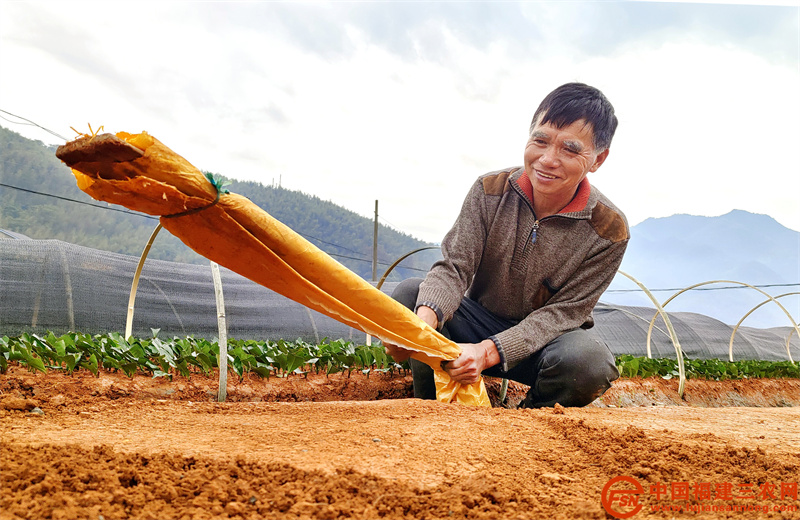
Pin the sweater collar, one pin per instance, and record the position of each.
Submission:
(578, 204)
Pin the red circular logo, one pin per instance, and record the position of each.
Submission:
(617, 501)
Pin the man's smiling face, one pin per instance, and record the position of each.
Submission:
(558, 159)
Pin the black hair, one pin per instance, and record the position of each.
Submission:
(574, 101)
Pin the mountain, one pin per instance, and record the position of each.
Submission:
(32, 166)
(682, 250)
(664, 253)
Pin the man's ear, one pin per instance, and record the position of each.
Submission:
(599, 160)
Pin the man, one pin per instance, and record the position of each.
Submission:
(527, 259)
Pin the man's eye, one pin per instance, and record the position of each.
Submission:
(540, 142)
(572, 151)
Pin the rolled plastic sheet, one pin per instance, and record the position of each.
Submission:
(139, 172)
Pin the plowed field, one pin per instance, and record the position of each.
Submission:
(112, 448)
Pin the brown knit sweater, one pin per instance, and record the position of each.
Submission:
(547, 273)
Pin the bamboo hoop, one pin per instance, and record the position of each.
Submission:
(789, 338)
(313, 324)
(675, 343)
(135, 284)
(751, 311)
(636, 316)
(769, 298)
(169, 303)
(368, 341)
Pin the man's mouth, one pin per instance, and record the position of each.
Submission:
(545, 175)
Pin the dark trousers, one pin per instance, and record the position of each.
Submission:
(573, 370)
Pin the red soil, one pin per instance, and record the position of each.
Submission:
(113, 447)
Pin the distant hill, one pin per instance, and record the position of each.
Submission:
(664, 253)
(31, 165)
(683, 250)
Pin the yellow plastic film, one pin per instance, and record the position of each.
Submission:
(137, 171)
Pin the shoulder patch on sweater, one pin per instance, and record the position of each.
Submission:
(609, 224)
(496, 183)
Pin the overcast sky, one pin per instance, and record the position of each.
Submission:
(408, 102)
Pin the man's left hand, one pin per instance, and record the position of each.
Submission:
(474, 359)
(399, 354)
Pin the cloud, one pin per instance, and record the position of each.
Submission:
(700, 132)
(598, 29)
(527, 30)
(41, 29)
(315, 28)
(409, 102)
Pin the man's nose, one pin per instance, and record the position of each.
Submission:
(549, 157)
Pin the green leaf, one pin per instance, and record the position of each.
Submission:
(293, 362)
(262, 370)
(236, 364)
(61, 348)
(109, 362)
(34, 363)
(90, 364)
(71, 360)
(129, 368)
(207, 362)
(182, 368)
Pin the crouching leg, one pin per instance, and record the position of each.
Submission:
(572, 370)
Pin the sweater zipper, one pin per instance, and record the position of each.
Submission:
(534, 231)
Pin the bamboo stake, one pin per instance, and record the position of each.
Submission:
(38, 302)
(503, 390)
(67, 286)
(223, 334)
